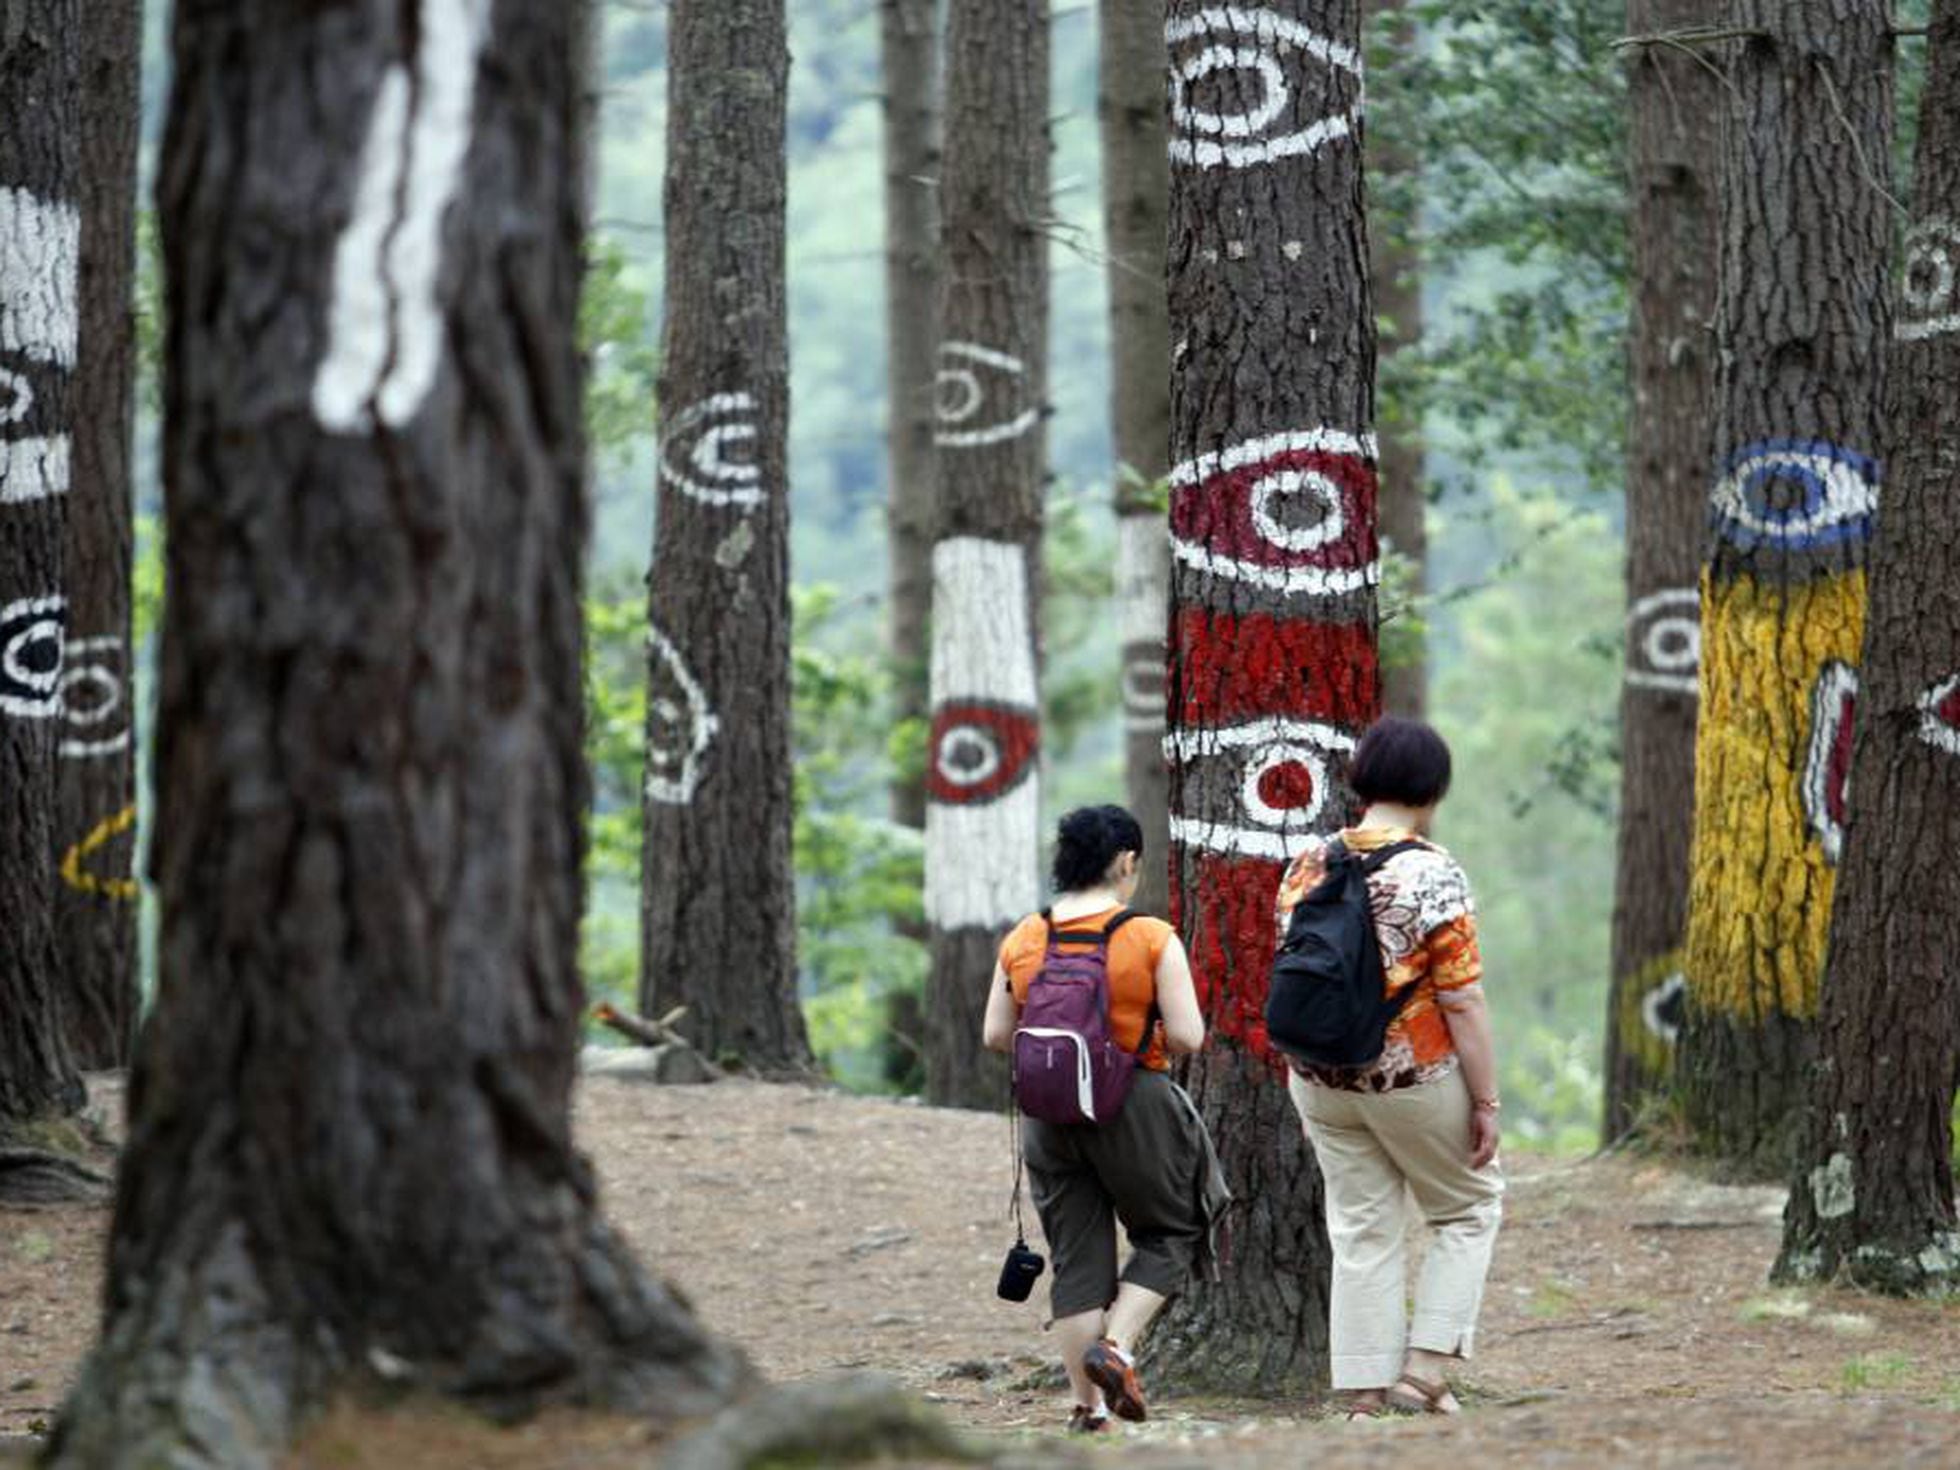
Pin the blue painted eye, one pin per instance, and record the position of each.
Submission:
(1796, 495)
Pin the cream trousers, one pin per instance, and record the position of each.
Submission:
(1379, 1152)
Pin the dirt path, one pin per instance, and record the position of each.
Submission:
(1627, 1320)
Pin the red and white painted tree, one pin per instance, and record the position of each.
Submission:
(1274, 567)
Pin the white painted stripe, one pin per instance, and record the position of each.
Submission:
(1005, 361)
(982, 862)
(1014, 428)
(1206, 153)
(1678, 683)
(1223, 837)
(88, 749)
(33, 469)
(1209, 739)
(1254, 451)
(385, 324)
(1142, 578)
(40, 254)
(1263, 26)
(1314, 581)
(1930, 327)
(982, 643)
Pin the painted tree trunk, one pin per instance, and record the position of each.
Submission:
(1136, 185)
(983, 797)
(719, 889)
(1395, 267)
(908, 33)
(1274, 567)
(40, 242)
(95, 908)
(1872, 1197)
(350, 1138)
(1801, 335)
(1674, 103)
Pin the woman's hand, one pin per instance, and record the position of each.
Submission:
(1483, 1133)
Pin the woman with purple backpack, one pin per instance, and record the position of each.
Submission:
(1150, 1164)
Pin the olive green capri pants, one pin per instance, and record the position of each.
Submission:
(1151, 1167)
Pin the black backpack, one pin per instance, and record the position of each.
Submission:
(1324, 1004)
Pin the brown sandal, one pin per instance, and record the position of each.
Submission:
(1419, 1396)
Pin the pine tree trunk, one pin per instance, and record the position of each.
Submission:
(719, 910)
(1275, 562)
(908, 32)
(1395, 267)
(1805, 231)
(1136, 186)
(983, 801)
(1872, 1197)
(1674, 103)
(350, 1135)
(95, 908)
(40, 228)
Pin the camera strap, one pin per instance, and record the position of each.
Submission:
(1014, 1142)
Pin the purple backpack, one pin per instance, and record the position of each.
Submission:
(1067, 1066)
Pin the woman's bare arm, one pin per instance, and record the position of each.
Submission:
(997, 1030)
(1468, 1018)
(1177, 1000)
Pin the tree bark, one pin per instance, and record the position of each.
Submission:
(719, 910)
(908, 34)
(1395, 267)
(40, 231)
(1801, 330)
(983, 801)
(1136, 187)
(95, 906)
(1274, 565)
(1872, 1196)
(1674, 103)
(350, 1137)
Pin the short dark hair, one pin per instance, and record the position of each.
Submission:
(1087, 841)
(1399, 760)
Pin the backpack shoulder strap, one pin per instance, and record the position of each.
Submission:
(1123, 917)
(1376, 859)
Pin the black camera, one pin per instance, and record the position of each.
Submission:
(1019, 1271)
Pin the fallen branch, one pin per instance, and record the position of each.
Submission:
(33, 1176)
(638, 1028)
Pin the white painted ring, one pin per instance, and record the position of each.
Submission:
(1262, 760)
(12, 658)
(1229, 125)
(1292, 482)
(961, 738)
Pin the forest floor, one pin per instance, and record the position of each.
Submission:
(1627, 1319)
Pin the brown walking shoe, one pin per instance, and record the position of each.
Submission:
(1084, 1420)
(1111, 1370)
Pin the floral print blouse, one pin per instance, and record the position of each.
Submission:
(1427, 923)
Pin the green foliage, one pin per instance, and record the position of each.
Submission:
(1874, 1370)
(616, 334)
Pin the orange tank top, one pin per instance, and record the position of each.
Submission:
(1133, 955)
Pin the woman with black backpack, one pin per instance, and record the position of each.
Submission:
(1418, 1118)
(1093, 1000)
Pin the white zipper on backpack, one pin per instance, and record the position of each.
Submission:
(1085, 1087)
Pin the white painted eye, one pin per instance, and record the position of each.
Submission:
(1255, 789)
(1928, 302)
(94, 701)
(1939, 716)
(1661, 1008)
(30, 657)
(16, 397)
(1796, 495)
(705, 449)
(1826, 782)
(980, 397)
(1239, 75)
(681, 727)
(1143, 689)
(1664, 640)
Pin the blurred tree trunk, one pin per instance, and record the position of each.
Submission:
(95, 908)
(908, 34)
(1395, 266)
(1136, 187)
(983, 802)
(1275, 562)
(40, 228)
(1674, 102)
(1801, 332)
(1872, 1196)
(350, 1142)
(719, 908)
